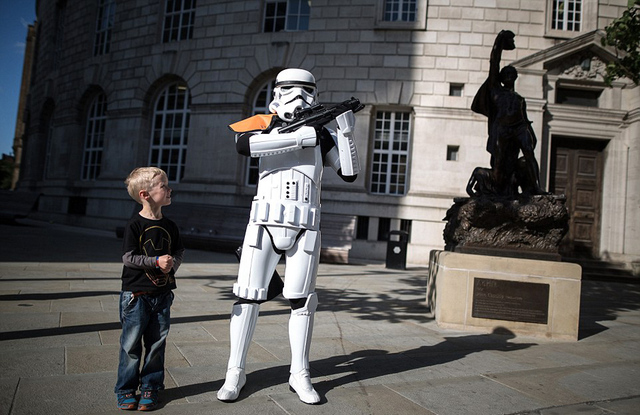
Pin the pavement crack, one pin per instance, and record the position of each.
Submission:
(13, 398)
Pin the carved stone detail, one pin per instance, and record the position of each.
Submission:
(584, 67)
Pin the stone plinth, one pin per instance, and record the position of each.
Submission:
(484, 293)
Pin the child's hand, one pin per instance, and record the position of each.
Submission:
(165, 262)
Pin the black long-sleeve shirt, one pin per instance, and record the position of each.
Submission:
(144, 240)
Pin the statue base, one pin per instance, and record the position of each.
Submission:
(527, 227)
(488, 294)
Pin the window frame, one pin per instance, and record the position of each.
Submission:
(456, 89)
(104, 17)
(588, 20)
(453, 152)
(58, 47)
(163, 98)
(419, 24)
(170, 15)
(94, 136)
(390, 152)
(564, 90)
(287, 16)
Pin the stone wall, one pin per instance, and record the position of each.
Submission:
(351, 54)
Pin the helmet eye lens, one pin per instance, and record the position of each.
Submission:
(298, 90)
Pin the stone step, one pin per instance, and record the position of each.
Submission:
(600, 270)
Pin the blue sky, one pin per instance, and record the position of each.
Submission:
(15, 16)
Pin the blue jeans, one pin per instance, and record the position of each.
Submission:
(144, 319)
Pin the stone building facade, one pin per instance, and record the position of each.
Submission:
(117, 84)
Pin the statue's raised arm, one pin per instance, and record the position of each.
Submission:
(505, 40)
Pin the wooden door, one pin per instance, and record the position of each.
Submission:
(576, 171)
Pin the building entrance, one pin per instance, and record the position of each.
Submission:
(576, 171)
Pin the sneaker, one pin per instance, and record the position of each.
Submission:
(127, 401)
(148, 400)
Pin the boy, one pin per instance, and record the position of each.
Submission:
(153, 252)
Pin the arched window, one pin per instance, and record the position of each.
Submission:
(171, 131)
(94, 138)
(260, 106)
(47, 130)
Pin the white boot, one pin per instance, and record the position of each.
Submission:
(300, 383)
(241, 327)
(233, 383)
(300, 330)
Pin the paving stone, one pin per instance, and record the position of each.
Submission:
(574, 384)
(7, 391)
(91, 359)
(463, 396)
(375, 350)
(68, 394)
(102, 320)
(188, 332)
(33, 362)
(356, 400)
(619, 406)
(14, 324)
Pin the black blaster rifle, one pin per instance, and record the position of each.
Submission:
(319, 115)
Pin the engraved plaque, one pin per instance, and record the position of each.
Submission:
(510, 300)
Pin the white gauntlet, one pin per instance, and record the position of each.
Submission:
(275, 143)
(349, 162)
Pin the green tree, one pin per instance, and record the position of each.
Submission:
(624, 35)
(6, 172)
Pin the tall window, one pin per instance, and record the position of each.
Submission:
(400, 10)
(289, 15)
(179, 17)
(104, 25)
(94, 138)
(61, 7)
(171, 131)
(48, 136)
(566, 15)
(260, 106)
(390, 163)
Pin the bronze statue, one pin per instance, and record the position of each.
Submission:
(510, 132)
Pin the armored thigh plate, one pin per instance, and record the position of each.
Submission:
(257, 264)
(302, 266)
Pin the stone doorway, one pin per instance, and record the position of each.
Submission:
(576, 171)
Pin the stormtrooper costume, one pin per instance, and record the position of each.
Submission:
(285, 220)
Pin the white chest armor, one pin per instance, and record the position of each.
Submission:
(288, 193)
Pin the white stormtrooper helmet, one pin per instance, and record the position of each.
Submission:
(294, 88)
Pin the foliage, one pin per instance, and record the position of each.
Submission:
(6, 172)
(624, 35)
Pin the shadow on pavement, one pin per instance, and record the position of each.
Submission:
(364, 365)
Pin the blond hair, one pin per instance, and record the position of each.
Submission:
(141, 178)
